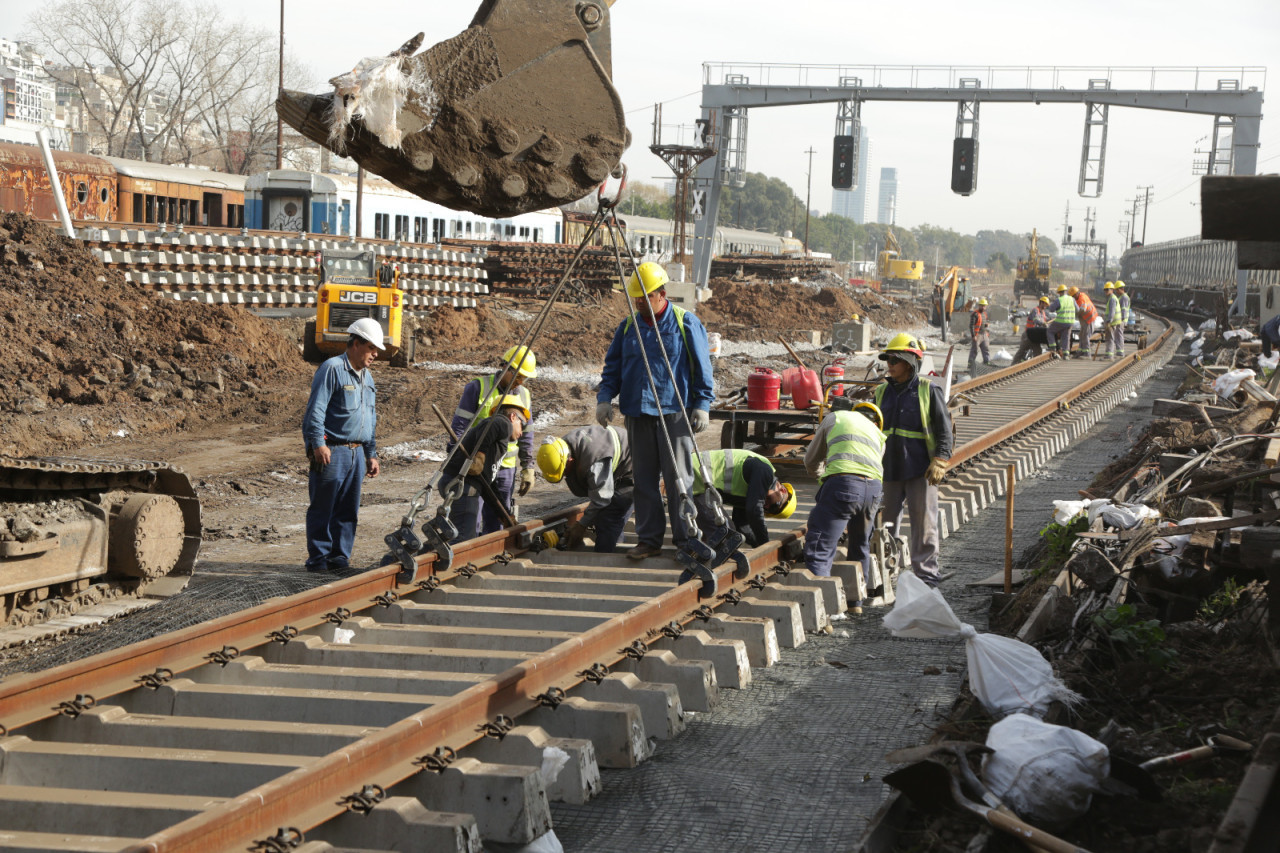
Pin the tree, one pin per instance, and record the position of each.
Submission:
(999, 263)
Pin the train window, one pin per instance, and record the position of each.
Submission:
(524, 232)
(82, 192)
(537, 235)
(437, 230)
(402, 227)
(468, 228)
(482, 230)
(104, 194)
(138, 213)
(511, 231)
(381, 226)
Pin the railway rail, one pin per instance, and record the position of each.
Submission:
(427, 710)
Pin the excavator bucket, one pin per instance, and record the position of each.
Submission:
(517, 113)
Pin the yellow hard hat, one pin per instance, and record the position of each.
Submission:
(516, 403)
(904, 342)
(1062, 288)
(788, 507)
(1044, 299)
(647, 278)
(868, 406)
(1073, 290)
(523, 361)
(1109, 286)
(982, 301)
(1119, 283)
(854, 318)
(553, 455)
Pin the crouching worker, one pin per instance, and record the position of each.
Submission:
(485, 445)
(746, 482)
(595, 463)
(850, 444)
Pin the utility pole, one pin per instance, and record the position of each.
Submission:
(1146, 202)
(1066, 224)
(1133, 215)
(280, 91)
(1088, 236)
(808, 194)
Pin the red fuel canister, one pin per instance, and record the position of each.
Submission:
(763, 389)
(806, 389)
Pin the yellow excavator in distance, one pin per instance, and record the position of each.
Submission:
(897, 275)
(1032, 278)
(951, 289)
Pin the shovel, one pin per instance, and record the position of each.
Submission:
(931, 784)
(1139, 775)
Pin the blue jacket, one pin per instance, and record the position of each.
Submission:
(624, 375)
(341, 407)
(908, 458)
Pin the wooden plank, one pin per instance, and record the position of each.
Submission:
(1271, 455)
(1225, 524)
(1256, 391)
(1240, 207)
(1188, 411)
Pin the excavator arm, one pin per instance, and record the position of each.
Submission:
(516, 113)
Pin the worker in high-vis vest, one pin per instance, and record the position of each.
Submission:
(653, 412)
(1064, 317)
(1126, 307)
(479, 399)
(1087, 316)
(1114, 319)
(477, 463)
(918, 438)
(595, 463)
(1035, 334)
(747, 482)
(849, 445)
(980, 332)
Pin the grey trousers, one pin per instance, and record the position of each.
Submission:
(921, 501)
(649, 457)
(1115, 339)
(1060, 337)
(983, 340)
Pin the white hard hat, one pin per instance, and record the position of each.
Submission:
(367, 328)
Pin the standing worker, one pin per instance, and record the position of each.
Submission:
(1270, 334)
(486, 445)
(1115, 322)
(980, 331)
(1126, 308)
(595, 463)
(1036, 333)
(1064, 308)
(851, 444)
(918, 440)
(689, 384)
(479, 398)
(747, 482)
(338, 428)
(1087, 314)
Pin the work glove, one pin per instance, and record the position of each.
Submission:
(574, 534)
(604, 413)
(526, 482)
(937, 470)
(699, 419)
(477, 465)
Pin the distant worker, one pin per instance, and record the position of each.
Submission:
(1114, 319)
(1036, 333)
(479, 398)
(1064, 317)
(1270, 334)
(486, 444)
(692, 386)
(1126, 308)
(1087, 315)
(851, 444)
(595, 463)
(980, 331)
(918, 441)
(746, 482)
(338, 429)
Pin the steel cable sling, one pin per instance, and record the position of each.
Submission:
(439, 530)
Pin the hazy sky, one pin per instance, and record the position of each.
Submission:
(1029, 155)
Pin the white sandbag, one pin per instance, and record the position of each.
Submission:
(1047, 774)
(1189, 333)
(1006, 675)
(1003, 356)
(1242, 334)
(1226, 384)
(1196, 346)
(1268, 363)
(1122, 516)
(1064, 511)
(1209, 326)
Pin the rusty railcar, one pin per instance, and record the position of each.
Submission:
(89, 184)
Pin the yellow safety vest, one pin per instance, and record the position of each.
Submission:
(854, 446)
(926, 406)
(489, 398)
(1066, 310)
(724, 469)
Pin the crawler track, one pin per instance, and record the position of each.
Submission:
(394, 717)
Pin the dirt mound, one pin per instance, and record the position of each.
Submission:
(97, 356)
(791, 307)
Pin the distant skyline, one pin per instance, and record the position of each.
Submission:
(1030, 154)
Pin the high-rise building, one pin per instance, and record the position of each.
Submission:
(852, 204)
(887, 209)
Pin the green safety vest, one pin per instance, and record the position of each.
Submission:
(1115, 314)
(1066, 310)
(724, 469)
(489, 398)
(1126, 312)
(926, 406)
(854, 446)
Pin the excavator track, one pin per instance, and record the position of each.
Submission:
(78, 532)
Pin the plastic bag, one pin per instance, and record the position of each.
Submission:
(1268, 363)
(1003, 356)
(1122, 516)
(1189, 333)
(1064, 511)
(1006, 675)
(1047, 774)
(1227, 384)
(1242, 334)
(1169, 548)
(1209, 326)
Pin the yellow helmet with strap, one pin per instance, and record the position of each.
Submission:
(553, 456)
(516, 403)
(647, 278)
(522, 361)
(787, 508)
(871, 410)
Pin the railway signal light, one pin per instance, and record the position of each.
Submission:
(964, 166)
(842, 163)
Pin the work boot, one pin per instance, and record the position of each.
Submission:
(642, 551)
